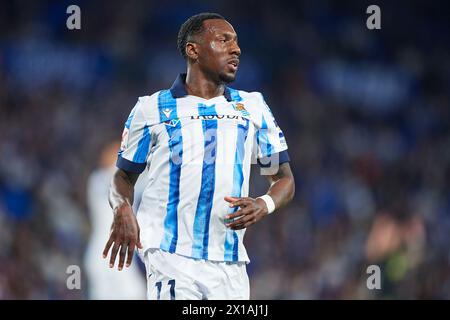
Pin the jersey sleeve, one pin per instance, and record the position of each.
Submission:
(270, 140)
(136, 140)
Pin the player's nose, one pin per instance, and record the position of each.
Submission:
(235, 49)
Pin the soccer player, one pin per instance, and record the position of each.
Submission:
(197, 140)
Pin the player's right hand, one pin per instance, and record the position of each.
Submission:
(124, 235)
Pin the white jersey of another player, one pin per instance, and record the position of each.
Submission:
(105, 283)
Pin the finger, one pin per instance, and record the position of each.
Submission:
(108, 245)
(230, 199)
(122, 254)
(235, 215)
(238, 213)
(114, 250)
(241, 202)
(245, 225)
(240, 221)
(130, 255)
(238, 227)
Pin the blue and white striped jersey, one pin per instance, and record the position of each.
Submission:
(197, 151)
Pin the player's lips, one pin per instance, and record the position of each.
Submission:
(233, 63)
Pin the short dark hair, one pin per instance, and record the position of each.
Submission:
(192, 26)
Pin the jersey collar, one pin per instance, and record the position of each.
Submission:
(178, 89)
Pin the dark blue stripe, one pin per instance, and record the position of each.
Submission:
(231, 240)
(168, 110)
(130, 166)
(205, 199)
(265, 162)
(140, 155)
(235, 246)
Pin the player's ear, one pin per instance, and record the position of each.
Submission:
(192, 51)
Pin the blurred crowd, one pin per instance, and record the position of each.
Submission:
(365, 114)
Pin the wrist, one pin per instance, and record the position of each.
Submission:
(270, 204)
(122, 208)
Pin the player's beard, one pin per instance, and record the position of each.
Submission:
(227, 77)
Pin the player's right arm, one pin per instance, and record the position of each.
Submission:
(132, 160)
(124, 235)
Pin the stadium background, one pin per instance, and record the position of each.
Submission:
(365, 114)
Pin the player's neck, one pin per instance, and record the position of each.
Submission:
(198, 84)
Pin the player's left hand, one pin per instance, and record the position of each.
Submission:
(251, 211)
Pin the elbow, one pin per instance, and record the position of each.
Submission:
(291, 189)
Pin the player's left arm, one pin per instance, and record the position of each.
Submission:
(271, 152)
(281, 190)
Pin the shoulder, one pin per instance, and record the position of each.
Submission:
(149, 101)
(147, 106)
(246, 95)
(254, 100)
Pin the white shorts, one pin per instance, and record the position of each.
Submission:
(174, 277)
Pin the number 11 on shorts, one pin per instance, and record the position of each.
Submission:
(171, 283)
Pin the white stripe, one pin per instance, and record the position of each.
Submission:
(152, 210)
(190, 182)
(246, 166)
(226, 149)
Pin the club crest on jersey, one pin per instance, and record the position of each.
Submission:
(171, 123)
(240, 107)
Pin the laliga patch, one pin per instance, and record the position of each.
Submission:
(124, 142)
(282, 139)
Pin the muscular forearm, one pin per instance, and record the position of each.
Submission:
(125, 229)
(282, 187)
(122, 189)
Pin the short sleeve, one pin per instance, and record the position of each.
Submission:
(270, 139)
(136, 139)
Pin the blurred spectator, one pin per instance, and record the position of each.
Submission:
(108, 283)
